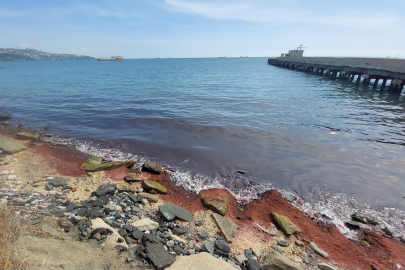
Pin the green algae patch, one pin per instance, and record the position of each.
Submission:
(284, 224)
(217, 203)
(33, 137)
(107, 166)
(152, 185)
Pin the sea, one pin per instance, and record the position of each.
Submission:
(330, 146)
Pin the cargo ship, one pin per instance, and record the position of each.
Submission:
(113, 58)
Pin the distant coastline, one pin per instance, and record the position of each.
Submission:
(25, 55)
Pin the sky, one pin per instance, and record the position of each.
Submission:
(205, 28)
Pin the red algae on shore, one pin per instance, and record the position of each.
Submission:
(66, 161)
(341, 250)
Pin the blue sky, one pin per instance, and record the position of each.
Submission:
(205, 28)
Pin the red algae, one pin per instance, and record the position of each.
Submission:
(341, 250)
(65, 160)
(117, 174)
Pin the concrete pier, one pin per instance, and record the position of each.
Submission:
(366, 69)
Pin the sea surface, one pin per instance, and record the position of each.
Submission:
(225, 122)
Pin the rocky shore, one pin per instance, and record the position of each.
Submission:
(134, 212)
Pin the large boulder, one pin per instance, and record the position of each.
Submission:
(152, 185)
(284, 224)
(227, 227)
(217, 203)
(203, 261)
(9, 146)
(107, 166)
(275, 260)
(151, 167)
(171, 211)
(112, 239)
(34, 137)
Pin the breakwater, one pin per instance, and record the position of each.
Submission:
(363, 70)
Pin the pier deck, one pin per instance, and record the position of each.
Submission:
(385, 69)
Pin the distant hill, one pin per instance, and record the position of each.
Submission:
(18, 55)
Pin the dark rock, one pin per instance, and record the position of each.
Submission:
(5, 117)
(177, 249)
(70, 207)
(134, 198)
(82, 212)
(120, 248)
(158, 256)
(129, 228)
(199, 223)
(222, 245)
(219, 238)
(48, 187)
(147, 237)
(123, 232)
(137, 235)
(128, 240)
(252, 265)
(171, 211)
(180, 230)
(353, 225)
(282, 243)
(65, 224)
(59, 181)
(202, 236)
(299, 243)
(106, 189)
(125, 189)
(248, 253)
(151, 167)
(58, 214)
(120, 240)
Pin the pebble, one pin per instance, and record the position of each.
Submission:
(299, 243)
(256, 251)
(11, 177)
(282, 243)
(325, 266)
(273, 230)
(4, 172)
(248, 253)
(49, 178)
(170, 243)
(241, 258)
(318, 250)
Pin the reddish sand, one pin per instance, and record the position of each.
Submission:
(117, 174)
(382, 252)
(65, 160)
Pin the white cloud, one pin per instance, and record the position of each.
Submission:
(283, 12)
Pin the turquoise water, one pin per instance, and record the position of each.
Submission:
(213, 117)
